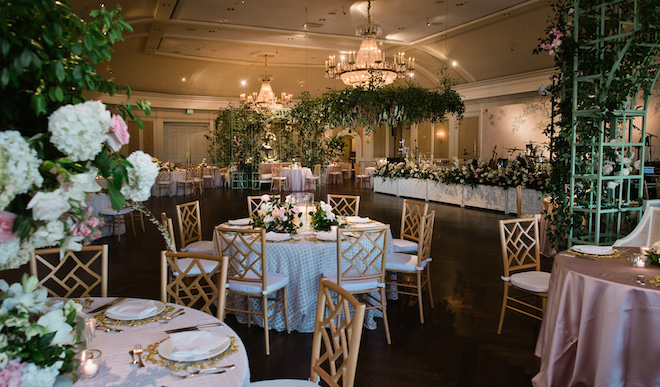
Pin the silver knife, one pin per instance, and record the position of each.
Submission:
(194, 328)
(106, 306)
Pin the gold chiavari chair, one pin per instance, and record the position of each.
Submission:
(186, 281)
(336, 340)
(411, 217)
(314, 181)
(77, 274)
(361, 266)
(277, 180)
(190, 229)
(192, 180)
(248, 276)
(418, 265)
(344, 205)
(522, 267)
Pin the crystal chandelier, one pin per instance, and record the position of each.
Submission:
(369, 66)
(266, 97)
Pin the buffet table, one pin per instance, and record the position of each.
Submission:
(599, 327)
(481, 196)
(304, 258)
(117, 370)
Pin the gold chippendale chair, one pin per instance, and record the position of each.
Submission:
(190, 283)
(249, 278)
(77, 274)
(402, 265)
(164, 181)
(190, 229)
(336, 340)
(255, 201)
(522, 268)
(344, 205)
(411, 216)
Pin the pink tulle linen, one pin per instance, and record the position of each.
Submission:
(600, 326)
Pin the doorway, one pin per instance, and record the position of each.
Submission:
(185, 140)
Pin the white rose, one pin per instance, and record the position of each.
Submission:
(265, 198)
(83, 183)
(48, 205)
(656, 247)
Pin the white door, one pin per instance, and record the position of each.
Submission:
(182, 137)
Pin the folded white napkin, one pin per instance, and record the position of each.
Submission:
(596, 250)
(357, 219)
(276, 236)
(240, 222)
(326, 235)
(133, 309)
(187, 345)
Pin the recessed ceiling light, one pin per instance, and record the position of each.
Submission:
(243, 82)
(183, 79)
(454, 63)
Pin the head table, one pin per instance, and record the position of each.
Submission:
(600, 324)
(304, 258)
(117, 369)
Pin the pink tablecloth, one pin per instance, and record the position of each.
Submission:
(600, 326)
(296, 177)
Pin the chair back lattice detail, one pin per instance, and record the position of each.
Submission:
(246, 250)
(76, 274)
(337, 336)
(164, 177)
(344, 205)
(411, 218)
(254, 202)
(425, 237)
(363, 258)
(190, 224)
(520, 244)
(276, 170)
(201, 290)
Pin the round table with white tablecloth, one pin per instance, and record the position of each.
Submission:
(117, 369)
(304, 259)
(296, 177)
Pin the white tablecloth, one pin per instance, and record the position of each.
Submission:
(296, 177)
(600, 326)
(117, 370)
(304, 260)
(175, 176)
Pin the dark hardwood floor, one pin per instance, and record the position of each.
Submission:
(457, 346)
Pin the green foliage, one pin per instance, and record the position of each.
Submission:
(236, 137)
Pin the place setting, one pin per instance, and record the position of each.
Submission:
(135, 312)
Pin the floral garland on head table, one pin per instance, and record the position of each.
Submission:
(517, 172)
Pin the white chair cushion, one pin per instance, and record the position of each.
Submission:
(404, 246)
(266, 176)
(403, 262)
(200, 247)
(278, 178)
(533, 281)
(283, 383)
(274, 282)
(353, 286)
(184, 263)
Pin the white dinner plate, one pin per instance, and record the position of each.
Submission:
(357, 219)
(240, 222)
(594, 250)
(277, 237)
(160, 307)
(165, 349)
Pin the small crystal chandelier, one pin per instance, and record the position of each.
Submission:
(266, 97)
(369, 66)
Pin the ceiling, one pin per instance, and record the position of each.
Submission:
(208, 47)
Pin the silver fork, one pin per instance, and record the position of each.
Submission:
(137, 349)
(169, 318)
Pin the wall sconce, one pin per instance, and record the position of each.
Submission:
(440, 135)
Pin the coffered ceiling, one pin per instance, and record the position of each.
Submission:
(217, 47)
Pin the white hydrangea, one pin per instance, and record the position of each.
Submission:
(48, 234)
(14, 253)
(19, 167)
(80, 130)
(141, 177)
(34, 376)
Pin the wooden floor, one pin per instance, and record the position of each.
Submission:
(457, 346)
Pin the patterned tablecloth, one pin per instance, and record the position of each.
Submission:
(304, 259)
(117, 370)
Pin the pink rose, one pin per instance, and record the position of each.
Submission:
(118, 133)
(6, 223)
(94, 222)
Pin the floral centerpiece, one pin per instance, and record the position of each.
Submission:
(653, 255)
(277, 216)
(165, 165)
(36, 341)
(323, 218)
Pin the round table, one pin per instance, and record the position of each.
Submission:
(599, 327)
(296, 177)
(117, 370)
(304, 259)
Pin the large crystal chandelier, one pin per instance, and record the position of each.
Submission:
(369, 66)
(266, 97)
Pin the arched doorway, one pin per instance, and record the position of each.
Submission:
(353, 151)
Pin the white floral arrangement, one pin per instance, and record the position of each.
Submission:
(277, 216)
(36, 340)
(323, 218)
(43, 201)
